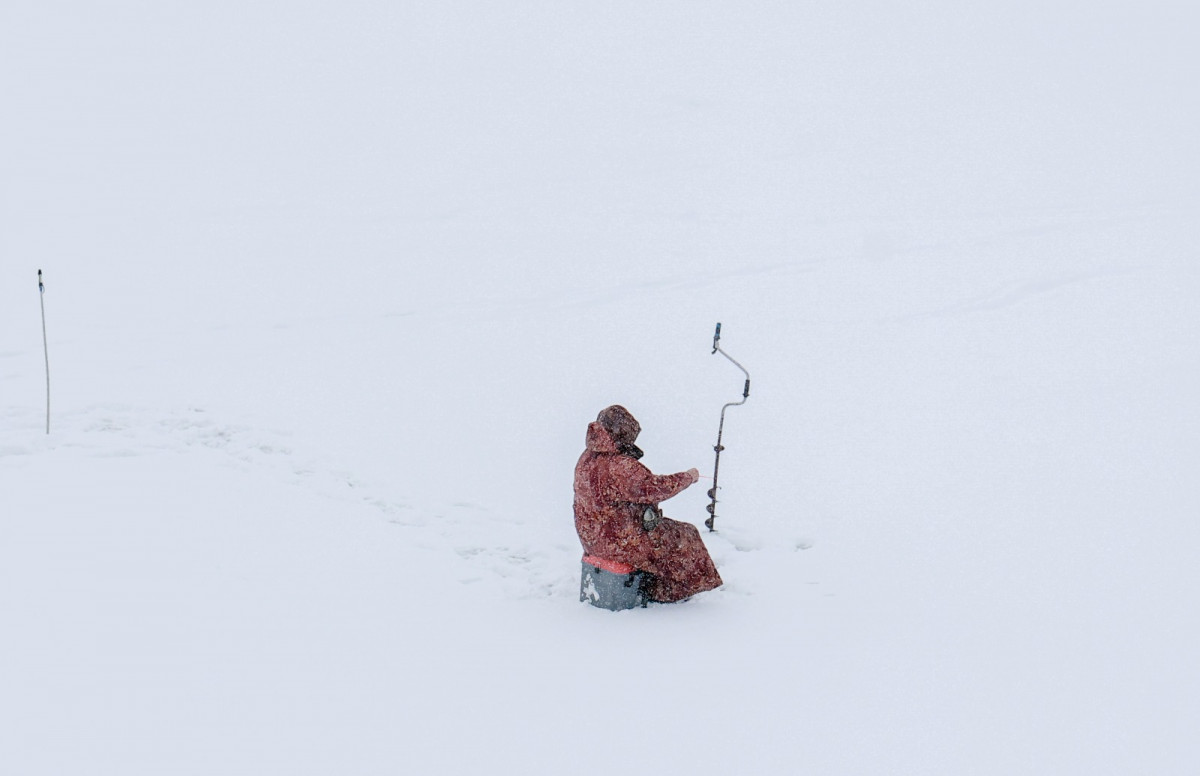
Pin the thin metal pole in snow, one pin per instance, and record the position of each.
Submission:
(712, 493)
(45, 345)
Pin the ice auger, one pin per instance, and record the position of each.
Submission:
(712, 493)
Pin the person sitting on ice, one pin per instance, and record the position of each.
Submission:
(618, 518)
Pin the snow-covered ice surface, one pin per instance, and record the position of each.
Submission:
(334, 288)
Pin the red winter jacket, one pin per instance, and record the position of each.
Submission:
(612, 490)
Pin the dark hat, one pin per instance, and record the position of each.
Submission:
(622, 427)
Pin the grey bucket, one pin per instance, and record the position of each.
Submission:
(606, 590)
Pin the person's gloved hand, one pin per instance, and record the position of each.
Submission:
(694, 474)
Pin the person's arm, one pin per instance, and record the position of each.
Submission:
(638, 485)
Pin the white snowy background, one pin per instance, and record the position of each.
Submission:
(333, 289)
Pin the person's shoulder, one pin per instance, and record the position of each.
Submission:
(627, 464)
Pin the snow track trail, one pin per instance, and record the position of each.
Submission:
(496, 552)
